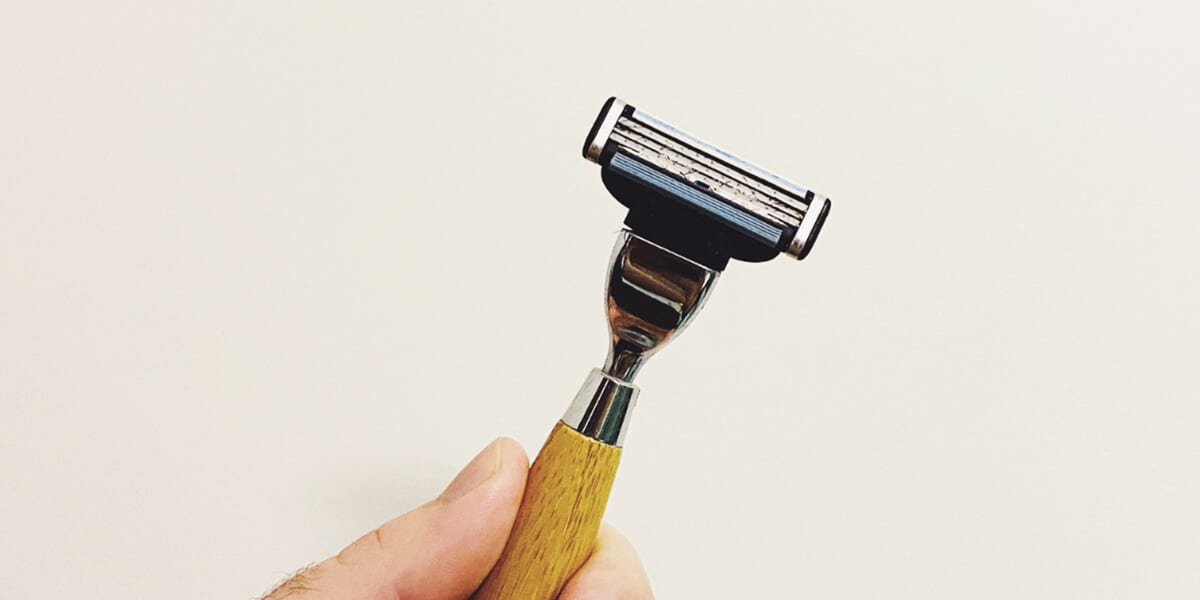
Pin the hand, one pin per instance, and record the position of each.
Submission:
(444, 549)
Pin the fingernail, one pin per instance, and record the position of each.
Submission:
(476, 473)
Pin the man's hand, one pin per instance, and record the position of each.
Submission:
(444, 549)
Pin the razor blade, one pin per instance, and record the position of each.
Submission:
(696, 199)
(692, 208)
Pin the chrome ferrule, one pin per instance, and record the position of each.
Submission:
(602, 408)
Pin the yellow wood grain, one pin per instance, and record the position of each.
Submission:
(559, 517)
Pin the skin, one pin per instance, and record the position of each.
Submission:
(444, 549)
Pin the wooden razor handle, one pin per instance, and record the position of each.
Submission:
(559, 518)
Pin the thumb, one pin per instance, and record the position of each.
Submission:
(442, 550)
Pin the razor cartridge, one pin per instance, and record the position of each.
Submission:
(696, 199)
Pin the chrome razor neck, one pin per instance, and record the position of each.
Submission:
(653, 293)
(652, 296)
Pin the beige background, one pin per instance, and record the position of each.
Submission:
(270, 272)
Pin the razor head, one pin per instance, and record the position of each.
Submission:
(695, 199)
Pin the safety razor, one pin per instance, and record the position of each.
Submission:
(692, 208)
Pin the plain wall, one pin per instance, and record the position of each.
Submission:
(271, 272)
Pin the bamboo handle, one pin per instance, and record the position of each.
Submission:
(559, 517)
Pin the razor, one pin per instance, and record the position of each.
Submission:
(692, 208)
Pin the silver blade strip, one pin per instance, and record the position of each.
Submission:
(752, 183)
(728, 158)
